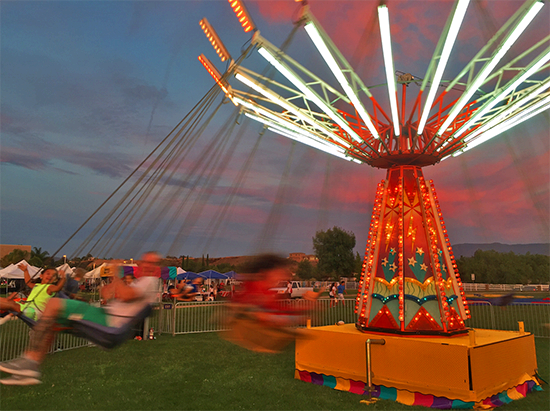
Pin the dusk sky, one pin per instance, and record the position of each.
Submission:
(89, 88)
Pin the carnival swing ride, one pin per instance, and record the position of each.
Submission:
(411, 297)
(410, 342)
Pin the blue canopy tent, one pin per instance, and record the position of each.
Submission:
(212, 274)
(188, 275)
(230, 274)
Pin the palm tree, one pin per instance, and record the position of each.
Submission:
(38, 257)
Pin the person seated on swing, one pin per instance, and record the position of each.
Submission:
(259, 321)
(186, 291)
(40, 294)
(123, 303)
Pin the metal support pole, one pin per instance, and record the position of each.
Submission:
(145, 335)
(369, 371)
(174, 306)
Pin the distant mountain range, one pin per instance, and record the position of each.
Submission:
(468, 250)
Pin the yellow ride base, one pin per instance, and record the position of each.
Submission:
(469, 367)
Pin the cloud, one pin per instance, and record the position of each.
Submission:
(23, 158)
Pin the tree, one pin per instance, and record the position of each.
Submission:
(223, 267)
(305, 270)
(358, 268)
(334, 250)
(14, 257)
(38, 257)
(504, 268)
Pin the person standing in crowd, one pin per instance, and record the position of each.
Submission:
(211, 293)
(332, 294)
(288, 291)
(341, 290)
(72, 284)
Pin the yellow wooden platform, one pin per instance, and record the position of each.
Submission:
(465, 367)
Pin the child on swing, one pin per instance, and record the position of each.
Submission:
(40, 293)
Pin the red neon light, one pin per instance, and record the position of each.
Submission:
(213, 72)
(242, 14)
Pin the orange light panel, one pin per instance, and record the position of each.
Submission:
(213, 38)
(242, 14)
(213, 72)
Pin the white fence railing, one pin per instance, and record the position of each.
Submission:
(211, 316)
(208, 316)
(505, 287)
(15, 334)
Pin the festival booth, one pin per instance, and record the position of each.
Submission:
(172, 273)
(66, 269)
(230, 274)
(107, 270)
(13, 272)
(213, 275)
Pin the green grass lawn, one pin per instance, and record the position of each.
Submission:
(197, 372)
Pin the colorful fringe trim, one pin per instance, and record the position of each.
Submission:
(415, 398)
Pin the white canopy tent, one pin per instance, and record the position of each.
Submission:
(67, 269)
(13, 272)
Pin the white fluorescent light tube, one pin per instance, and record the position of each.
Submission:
(292, 136)
(295, 136)
(507, 90)
(272, 123)
(384, 19)
(532, 111)
(514, 106)
(458, 17)
(311, 143)
(283, 123)
(283, 103)
(335, 68)
(265, 53)
(493, 61)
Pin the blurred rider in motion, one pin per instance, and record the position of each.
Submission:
(260, 320)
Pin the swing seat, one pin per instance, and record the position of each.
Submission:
(109, 337)
(101, 335)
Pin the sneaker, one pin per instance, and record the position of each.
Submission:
(6, 318)
(21, 366)
(20, 380)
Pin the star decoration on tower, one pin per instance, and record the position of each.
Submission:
(412, 261)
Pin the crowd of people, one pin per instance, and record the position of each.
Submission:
(195, 289)
(336, 293)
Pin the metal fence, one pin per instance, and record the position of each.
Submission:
(211, 316)
(208, 316)
(194, 317)
(15, 334)
(535, 317)
(505, 287)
